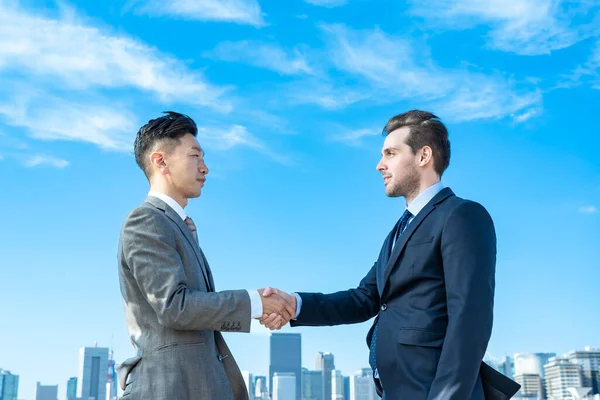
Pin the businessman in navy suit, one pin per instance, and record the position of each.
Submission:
(432, 286)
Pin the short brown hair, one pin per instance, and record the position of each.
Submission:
(426, 129)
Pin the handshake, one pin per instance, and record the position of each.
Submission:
(278, 308)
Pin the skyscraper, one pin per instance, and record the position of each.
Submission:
(261, 392)
(346, 388)
(326, 364)
(284, 386)
(9, 385)
(507, 366)
(312, 385)
(589, 361)
(45, 392)
(362, 386)
(249, 381)
(337, 385)
(93, 368)
(286, 356)
(72, 389)
(560, 376)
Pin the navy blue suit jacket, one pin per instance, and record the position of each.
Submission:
(433, 296)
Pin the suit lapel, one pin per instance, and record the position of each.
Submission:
(172, 214)
(408, 232)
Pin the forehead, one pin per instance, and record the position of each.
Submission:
(396, 138)
(189, 142)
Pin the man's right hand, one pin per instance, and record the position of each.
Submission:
(274, 321)
(277, 303)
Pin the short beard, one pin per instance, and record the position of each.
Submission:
(408, 187)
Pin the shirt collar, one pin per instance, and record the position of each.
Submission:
(170, 202)
(424, 197)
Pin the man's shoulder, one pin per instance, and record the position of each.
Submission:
(145, 213)
(455, 205)
(454, 202)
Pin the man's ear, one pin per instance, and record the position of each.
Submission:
(157, 159)
(426, 156)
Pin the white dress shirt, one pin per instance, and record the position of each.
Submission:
(415, 207)
(256, 309)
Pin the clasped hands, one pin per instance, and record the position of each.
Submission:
(278, 308)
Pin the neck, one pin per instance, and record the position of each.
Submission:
(165, 188)
(424, 184)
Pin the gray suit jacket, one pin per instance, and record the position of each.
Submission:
(173, 315)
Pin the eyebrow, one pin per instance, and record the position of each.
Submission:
(199, 150)
(388, 149)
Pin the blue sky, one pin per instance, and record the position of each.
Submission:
(290, 98)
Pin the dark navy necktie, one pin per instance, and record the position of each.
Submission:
(402, 223)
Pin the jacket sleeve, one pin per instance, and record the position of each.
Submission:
(149, 249)
(345, 307)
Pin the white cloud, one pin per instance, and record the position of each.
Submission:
(524, 116)
(354, 137)
(46, 160)
(528, 27)
(587, 73)
(324, 94)
(237, 11)
(224, 139)
(588, 210)
(327, 3)
(265, 55)
(51, 118)
(64, 51)
(390, 68)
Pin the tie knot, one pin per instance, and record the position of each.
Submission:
(405, 216)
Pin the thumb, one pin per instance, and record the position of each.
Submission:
(268, 291)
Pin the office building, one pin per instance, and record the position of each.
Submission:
(312, 385)
(325, 363)
(286, 357)
(284, 386)
(93, 373)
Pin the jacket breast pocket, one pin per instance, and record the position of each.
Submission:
(416, 241)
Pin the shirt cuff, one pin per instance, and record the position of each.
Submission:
(256, 308)
(298, 304)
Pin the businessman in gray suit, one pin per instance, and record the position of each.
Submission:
(173, 313)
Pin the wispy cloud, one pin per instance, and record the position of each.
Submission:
(265, 55)
(588, 210)
(224, 139)
(389, 68)
(245, 12)
(325, 94)
(527, 27)
(37, 161)
(65, 51)
(327, 3)
(353, 137)
(524, 116)
(52, 118)
(587, 73)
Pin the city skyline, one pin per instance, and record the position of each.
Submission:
(526, 365)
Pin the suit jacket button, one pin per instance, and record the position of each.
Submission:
(383, 307)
